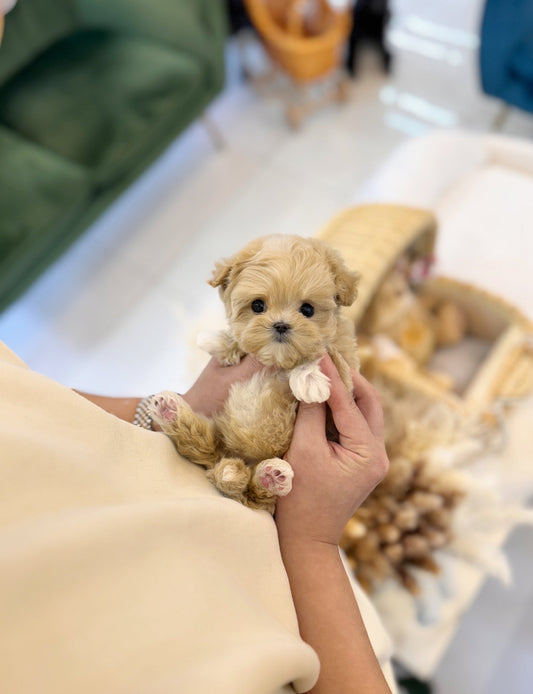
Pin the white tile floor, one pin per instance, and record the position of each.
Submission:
(117, 314)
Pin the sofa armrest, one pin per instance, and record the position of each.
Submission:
(196, 27)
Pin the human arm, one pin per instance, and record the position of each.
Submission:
(206, 396)
(331, 480)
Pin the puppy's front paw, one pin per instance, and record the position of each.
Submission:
(209, 341)
(221, 346)
(164, 407)
(274, 475)
(308, 383)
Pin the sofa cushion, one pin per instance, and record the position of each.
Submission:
(39, 194)
(193, 27)
(99, 99)
(31, 27)
(521, 62)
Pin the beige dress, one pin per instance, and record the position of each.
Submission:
(123, 571)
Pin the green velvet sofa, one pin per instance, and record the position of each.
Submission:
(91, 93)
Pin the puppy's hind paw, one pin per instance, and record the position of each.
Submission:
(308, 383)
(275, 476)
(164, 407)
(230, 476)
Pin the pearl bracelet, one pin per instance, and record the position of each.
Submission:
(142, 416)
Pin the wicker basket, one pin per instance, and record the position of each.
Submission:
(304, 58)
(372, 238)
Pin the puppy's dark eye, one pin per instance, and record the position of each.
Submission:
(307, 310)
(258, 306)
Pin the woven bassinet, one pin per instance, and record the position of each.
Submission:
(304, 58)
(372, 238)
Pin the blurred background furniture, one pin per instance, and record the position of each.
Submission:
(370, 19)
(480, 188)
(91, 93)
(306, 40)
(506, 52)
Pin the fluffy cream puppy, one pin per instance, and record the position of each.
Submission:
(282, 296)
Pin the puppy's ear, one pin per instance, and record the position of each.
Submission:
(221, 274)
(346, 280)
(228, 269)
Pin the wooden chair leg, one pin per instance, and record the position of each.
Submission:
(501, 116)
(214, 132)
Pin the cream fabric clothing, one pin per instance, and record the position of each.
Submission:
(7, 5)
(122, 570)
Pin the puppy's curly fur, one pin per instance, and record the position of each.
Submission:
(282, 296)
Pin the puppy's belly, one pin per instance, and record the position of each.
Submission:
(258, 418)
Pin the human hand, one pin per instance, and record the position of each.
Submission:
(211, 389)
(332, 479)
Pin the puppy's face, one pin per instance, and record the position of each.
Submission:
(282, 295)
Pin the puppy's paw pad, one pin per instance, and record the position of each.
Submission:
(309, 384)
(164, 406)
(274, 475)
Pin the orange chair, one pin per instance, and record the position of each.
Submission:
(305, 38)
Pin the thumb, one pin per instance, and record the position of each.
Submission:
(348, 418)
(310, 420)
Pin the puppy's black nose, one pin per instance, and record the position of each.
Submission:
(281, 328)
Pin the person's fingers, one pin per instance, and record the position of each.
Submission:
(368, 401)
(248, 366)
(310, 422)
(233, 373)
(348, 418)
(242, 371)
